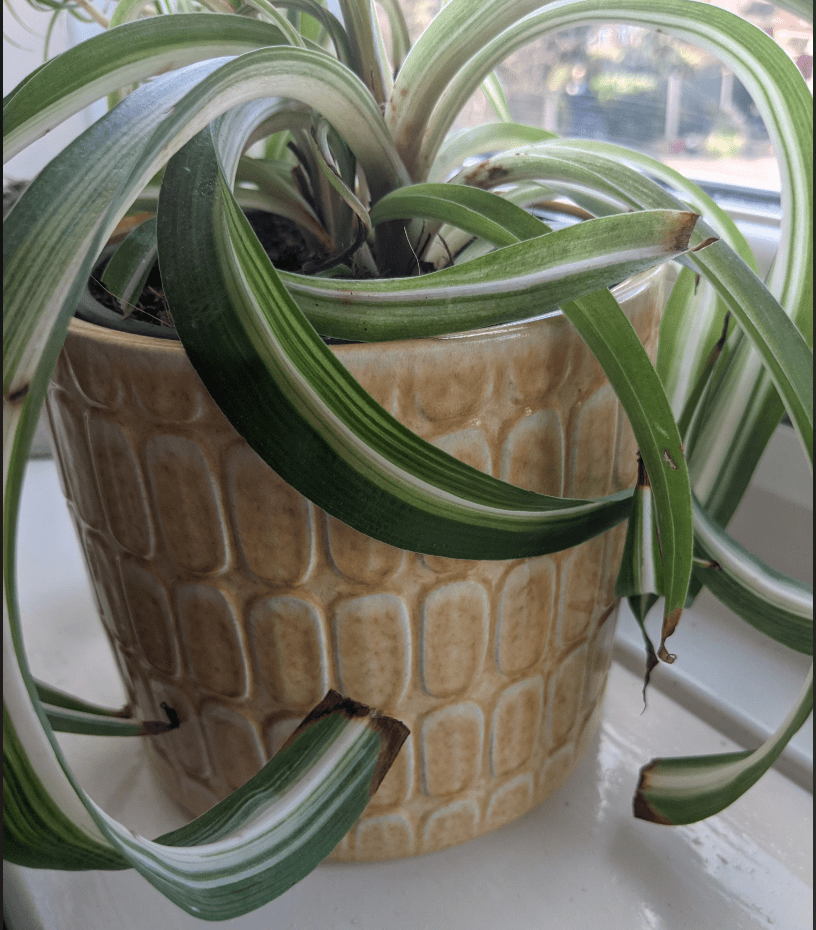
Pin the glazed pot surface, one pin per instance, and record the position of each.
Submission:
(233, 599)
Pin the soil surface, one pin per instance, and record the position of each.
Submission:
(280, 238)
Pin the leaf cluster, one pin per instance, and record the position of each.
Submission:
(340, 126)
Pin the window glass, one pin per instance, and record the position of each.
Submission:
(646, 90)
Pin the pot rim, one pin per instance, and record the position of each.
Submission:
(169, 342)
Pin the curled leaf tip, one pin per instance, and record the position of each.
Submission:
(670, 622)
(665, 655)
(172, 716)
(706, 242)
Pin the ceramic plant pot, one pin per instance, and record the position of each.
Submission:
(230, 597)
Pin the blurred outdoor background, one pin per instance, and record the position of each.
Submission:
(647, 91)
(617, 83)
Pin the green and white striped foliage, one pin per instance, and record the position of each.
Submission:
(355, 149)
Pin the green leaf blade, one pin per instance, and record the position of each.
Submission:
(779, 344)
(743, 417)
(115, 59)
(772, 603)
(478, 212)
(85, 724)
(299, 806)
(34, 327)
(686, 790)
(58, 698)
(530, 278)
(638, 387)
(36, 832)
(130, 265)
(455, 34)
(309, 397)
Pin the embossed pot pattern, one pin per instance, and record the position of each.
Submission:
(230, 597)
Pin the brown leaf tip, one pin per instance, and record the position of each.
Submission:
(155, 727)
(651, 664)
(684, 230)
(670, 622)
(665, 655)
(18, 395)
(172, 716)
(392, 732)
(706, 242)
(641, 808)
(642, 475)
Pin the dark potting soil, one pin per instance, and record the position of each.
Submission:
(282, 242)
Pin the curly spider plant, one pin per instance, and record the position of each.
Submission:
(283, 107)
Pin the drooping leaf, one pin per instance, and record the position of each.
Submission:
(778, 342)
(640, 578)
(50, 822)
(391, 484)
(129, 53)
(685, 790)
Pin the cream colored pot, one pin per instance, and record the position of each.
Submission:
(234, 600)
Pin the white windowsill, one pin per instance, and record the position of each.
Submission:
(749, 867)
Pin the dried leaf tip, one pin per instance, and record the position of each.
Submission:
(642, 475)
(172, 716)
(664, 654)
(707, 563)
(155, 727)
(651, 664)
(641, 807)
(670, 622)
(392, 732)
(679, 233)
(706, 242)
(17, 395)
